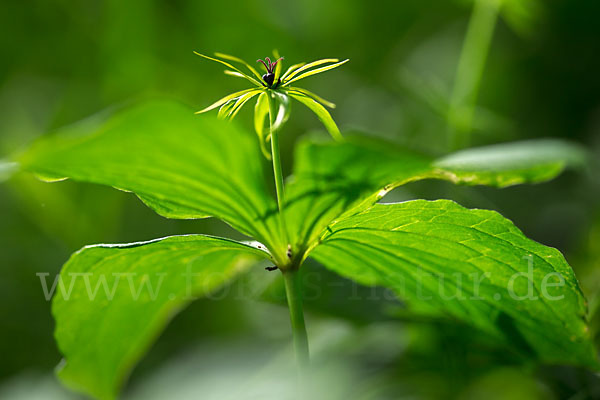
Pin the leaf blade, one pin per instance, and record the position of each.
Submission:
(420, 248)
(122, 297)
(509, 164)
(331, 178)
(203, 167)
(261, 111)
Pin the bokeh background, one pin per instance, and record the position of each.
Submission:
(536, 76)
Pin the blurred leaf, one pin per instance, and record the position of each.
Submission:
(469, 264)
(112, 301)
(523, 15)
(492, 386)
(512, 163)
(331, 178)
(7, 169)
(182, 166)
(470, 69)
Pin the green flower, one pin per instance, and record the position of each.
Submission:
(274, 91)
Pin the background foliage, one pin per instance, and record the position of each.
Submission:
(63, 61)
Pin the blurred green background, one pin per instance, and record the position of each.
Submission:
(65, 60)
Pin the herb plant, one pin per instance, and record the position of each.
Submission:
(184, 166)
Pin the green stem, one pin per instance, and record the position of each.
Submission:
(291, 275)
(275, 154)
(281, 259)
(293, 291)
(470, 70)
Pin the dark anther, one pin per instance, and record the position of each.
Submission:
(269, 77)
(289, 251)
(273, 268)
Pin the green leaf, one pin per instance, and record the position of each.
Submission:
(511, 163)
(181, 165)
(112, 301)
(321, 113)
(282, 109)
(471, 265)
(330, 178)
(312, 72)
(261, 111)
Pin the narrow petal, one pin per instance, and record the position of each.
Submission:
(312, 95)
(278, 66)
(225, 109)
(291, 69)
(241, 101)
(310, 65)
(224, 100)
(315, 71)
(234, 73)
(321, 113)
(239, 60)
(251, 79)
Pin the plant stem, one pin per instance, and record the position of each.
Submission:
(293, 292)
(290, 271)
(470, 70)
(276, 157)
(281, 259)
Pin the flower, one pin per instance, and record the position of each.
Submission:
(274, 91)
